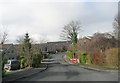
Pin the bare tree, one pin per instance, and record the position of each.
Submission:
(20, 39)
(3, 37)
(3, 34)
(116, 26)
(70, 32)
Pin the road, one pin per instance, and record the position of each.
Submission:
(59, 70)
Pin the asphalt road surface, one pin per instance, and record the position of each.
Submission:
(59, 70)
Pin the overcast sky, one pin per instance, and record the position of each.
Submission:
(45, 19)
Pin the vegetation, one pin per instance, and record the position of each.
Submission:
(101, 49)
(36, 59)
(29, 56)
(98, 58)
(70, 32)
(70, 53)
(3, 62)
(78, 54)
(23, 62)
(116, 26)
(3, 39)
(27, 49)
(112, 57)
(83, 58)
(88, 59)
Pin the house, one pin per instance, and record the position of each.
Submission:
(52, 47)
(84, 40)
(84, 43)
(8, 51)
(11, 51)
(57, 46)
(43, 47)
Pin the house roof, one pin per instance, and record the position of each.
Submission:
(60, 42)
(6, 46)
(41, 46)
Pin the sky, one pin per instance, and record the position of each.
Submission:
(45, 19)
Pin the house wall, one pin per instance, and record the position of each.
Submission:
(57, 46)
(10, 53)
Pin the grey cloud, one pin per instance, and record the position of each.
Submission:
(49, 18)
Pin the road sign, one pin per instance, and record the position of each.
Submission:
(74, 60)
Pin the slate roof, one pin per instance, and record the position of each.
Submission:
(5, 46)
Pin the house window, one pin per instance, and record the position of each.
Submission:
(12, 51)
(8, 52)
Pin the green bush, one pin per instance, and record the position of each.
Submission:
(112, 57)
(36, 59)
(83, 58)
(23, 62)
(70, 54)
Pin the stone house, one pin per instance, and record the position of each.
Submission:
(57, 46)
(52, 46)
(8, 51)
(84, 43)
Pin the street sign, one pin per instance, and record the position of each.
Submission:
(74, 60)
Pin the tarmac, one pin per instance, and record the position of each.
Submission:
(22, 73)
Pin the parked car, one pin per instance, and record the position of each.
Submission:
(12, 64)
